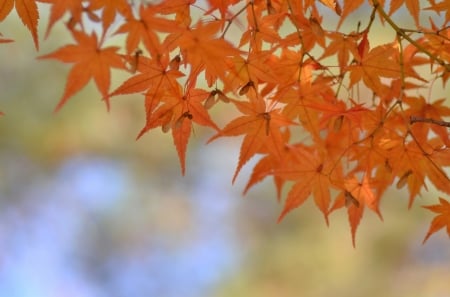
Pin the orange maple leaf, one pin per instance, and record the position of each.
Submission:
(204, 50)
(177, 111)
(110, 8)
(28, 13)
(313, 174)
(155, 76)
(349, 7)
(374, 64)
(355, 197)
(412, 163)
(419, 107)
(310, 178)
(439, 7)
(261, 130)
(441, 220)
(222, 5)
(145, 30)
(59, 8)
(91, 61)
(267, 165)
(412, 5)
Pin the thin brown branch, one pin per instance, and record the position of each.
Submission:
(401, 32)
(414, 119)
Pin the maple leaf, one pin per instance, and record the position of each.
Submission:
(145, 29)
(261, 30)
(309, 33)
(267, 165)
(373, 65)
(349, 7)
(355, 196)
(441, 6)
(203, 50)
(181, 9)
(441, 220)
(412, 5)
(177, 111)
(261, 130)
(59, 8)
(341, 45)
(154, 76)
(313, 174)
(288, 69)
(419, 107)
(221, 5)
(90, 60)
(5, 8)
(411, 163)
(28, 13)
(110, 8)
(255, 68)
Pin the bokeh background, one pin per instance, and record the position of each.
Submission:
(88, 211)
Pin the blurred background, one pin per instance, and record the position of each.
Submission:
(88, 211)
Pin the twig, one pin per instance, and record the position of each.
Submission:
(394, 26)
(414, 119)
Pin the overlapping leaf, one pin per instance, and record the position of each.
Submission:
(323, 106)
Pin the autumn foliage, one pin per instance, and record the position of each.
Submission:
(325, 110)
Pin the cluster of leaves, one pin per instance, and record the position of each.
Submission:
(339, 119)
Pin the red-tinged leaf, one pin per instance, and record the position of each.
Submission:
(5, 8)
(29, 14)
(363, 46)
(442, 220)
(90, 62)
